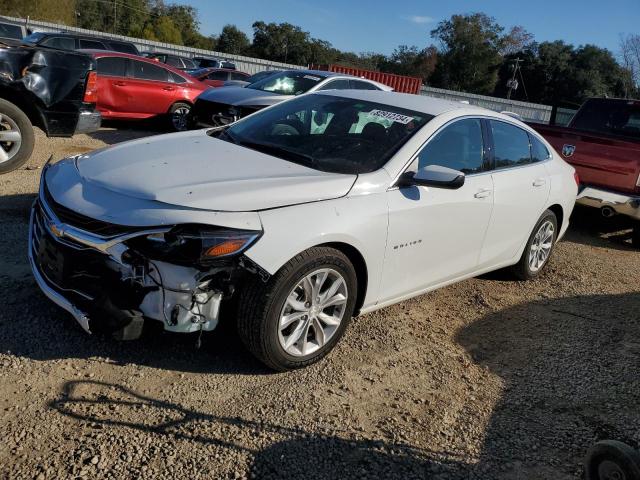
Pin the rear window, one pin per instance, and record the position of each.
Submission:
(620, 118)
(123, 47)
(112, 66)
(64, 43)
(148, 71)
(92, 44)
(218, 76)
(173, 61)
(360, 85)
(188, 63)
(10, 31)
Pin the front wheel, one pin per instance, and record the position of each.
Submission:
(539, 247)
(612, 460)
(178, 116)
(16, 137)
(299, 315)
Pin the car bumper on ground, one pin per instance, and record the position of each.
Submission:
(610, 202)
(88, 122)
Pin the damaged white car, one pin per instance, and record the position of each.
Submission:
(300, 216)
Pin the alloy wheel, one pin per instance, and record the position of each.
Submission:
(541, 246)
(312, 312)
(179, 118)
(10, 138)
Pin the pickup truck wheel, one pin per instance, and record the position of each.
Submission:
(178, 114)
(16, 137)
(298, 316)
(539, 247)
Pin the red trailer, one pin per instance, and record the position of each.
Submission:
(400, 83)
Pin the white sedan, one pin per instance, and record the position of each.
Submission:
(294, 219)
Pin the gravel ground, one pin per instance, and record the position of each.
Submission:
(490, 378)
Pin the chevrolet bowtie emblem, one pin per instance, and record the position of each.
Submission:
(55, 230)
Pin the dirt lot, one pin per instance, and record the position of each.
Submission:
(490, 378)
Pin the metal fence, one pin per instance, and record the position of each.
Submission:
(246, 64)
(531, 112)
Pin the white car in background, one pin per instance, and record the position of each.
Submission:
(329, 205)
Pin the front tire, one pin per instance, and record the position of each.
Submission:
(610, 459)
(298, 316)
(16, 137)
(539, 248)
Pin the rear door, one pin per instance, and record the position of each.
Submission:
(113, 98)
(149, 88)
(521, 189)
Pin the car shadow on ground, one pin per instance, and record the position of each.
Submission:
(117, 131)
(589, 227)
(544, 423)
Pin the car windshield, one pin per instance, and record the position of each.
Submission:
(287, 83)
(328, 133)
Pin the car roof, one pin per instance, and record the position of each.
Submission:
(419, 103)
(214, 69)
(112, 53)
(80, 35)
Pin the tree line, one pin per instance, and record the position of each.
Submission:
(471, 53)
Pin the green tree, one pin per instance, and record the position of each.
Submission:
(233, 40)
(283, 42)
(469, 53)
(411, 61)
(167, 31)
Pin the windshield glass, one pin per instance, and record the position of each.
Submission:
(328, 133)
(287, 83)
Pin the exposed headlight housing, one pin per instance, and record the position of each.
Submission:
(195, 244)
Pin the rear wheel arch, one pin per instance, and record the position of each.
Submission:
(188, 102)
(26, 105)
(559, 213)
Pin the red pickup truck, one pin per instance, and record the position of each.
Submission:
(602, 142)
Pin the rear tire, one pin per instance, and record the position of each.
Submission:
(265, 309)
(178, 116)
(539, 248)
(16, 137)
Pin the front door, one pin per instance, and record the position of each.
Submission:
(436, 234)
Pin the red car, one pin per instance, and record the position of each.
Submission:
(133, 87)
(215, 77)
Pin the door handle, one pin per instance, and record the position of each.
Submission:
(484, 193)
(539, 182)
(169, 89)
(120, 84)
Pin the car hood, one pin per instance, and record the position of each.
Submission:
(241, 96)
(194, 170)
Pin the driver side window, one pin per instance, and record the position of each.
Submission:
(458, 146)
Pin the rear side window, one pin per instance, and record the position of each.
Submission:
(218, 76)
(510, 145)
(188, 63)
(123, 47)
(10, 31)
(92, 44)
(173, 61)
(337, 85)
(148, 71)
(458, 146)
(112, 66)
(360, 85)
(239, 76)
(65, 43)
(538, 150)
(175, 78)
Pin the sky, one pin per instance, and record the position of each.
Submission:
(382, 25)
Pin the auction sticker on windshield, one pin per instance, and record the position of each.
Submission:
(394, 117)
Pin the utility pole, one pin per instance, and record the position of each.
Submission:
(513, 83)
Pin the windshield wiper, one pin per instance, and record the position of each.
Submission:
(278, 151)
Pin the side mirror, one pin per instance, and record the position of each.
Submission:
(434, 176)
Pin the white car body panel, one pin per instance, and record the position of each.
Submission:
(179, 169)
(412, 240)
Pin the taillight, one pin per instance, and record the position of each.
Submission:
(91, 88)
(576, 177)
